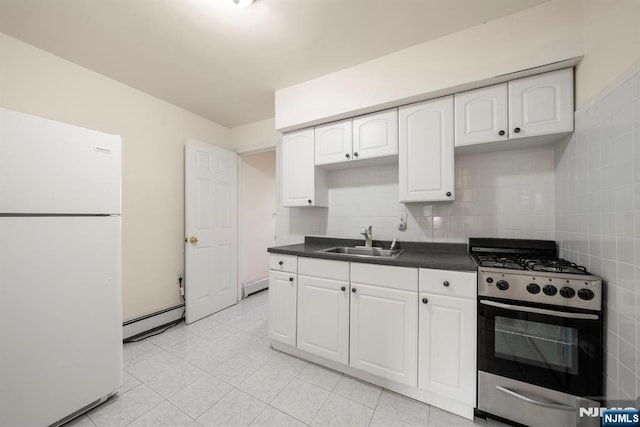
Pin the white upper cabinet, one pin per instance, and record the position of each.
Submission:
(542, 104)
(481, 115)
(375, 135)
(527, 107)
(333, 143)
(426, 151)
(372, 136)
(302, 183)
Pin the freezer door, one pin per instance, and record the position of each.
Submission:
(60, 316)
(52, 167)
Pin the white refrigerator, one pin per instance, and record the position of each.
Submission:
(60, 269)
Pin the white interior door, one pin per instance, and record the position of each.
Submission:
(211, 227)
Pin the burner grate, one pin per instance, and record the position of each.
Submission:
(532, 262)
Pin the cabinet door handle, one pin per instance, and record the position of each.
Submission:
(446, 283)
(347, 155)
(309, 201)
(353, 290)
(343, 288)
(448, 193)
(501, 133)
(355, 154)
(291, 279)
(516, 130)
(280, 262)
(424, 300)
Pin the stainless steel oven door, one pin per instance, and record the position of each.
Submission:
(559, 349)
(532, 405)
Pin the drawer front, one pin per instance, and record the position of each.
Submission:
(325, 268)
(288, 263)
(449, 283)
(403, 278)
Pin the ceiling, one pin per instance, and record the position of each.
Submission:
(224, 63)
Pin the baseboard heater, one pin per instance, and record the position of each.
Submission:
(144, 324)
(253, 287)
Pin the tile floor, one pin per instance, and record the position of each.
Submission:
(221, 371)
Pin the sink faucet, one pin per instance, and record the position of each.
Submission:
(368, 236)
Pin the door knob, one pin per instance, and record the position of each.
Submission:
(193, 239)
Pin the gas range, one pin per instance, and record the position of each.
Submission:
(531, 271)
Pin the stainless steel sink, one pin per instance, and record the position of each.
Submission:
(363, 251)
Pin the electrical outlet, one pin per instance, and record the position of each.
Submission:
(402, 226)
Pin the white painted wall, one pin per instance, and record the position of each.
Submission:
(257, 204)
(612, 37)
(153, 131)
(540, 35)
(255, 136)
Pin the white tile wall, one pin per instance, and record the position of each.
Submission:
(505, 194)
(598, 218)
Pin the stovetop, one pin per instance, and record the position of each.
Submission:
(531, 271)
(531, 262)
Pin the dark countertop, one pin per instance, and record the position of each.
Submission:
(441, 256)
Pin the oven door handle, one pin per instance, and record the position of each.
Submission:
(535, 402)
(567, 315)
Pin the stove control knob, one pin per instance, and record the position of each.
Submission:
(503, 285)
(550, 290)
(567, 292)
(586, 294)
(533, 288)
(489, 280)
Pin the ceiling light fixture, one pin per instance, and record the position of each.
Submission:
(241, 3)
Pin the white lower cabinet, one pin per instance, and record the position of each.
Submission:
(384, 332)
(323, 309)
(384, 321)
(447, 335)
(282, 306)
(446, 347)
(408, 329)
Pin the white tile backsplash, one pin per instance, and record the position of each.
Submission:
(598, 219)
(504, 194)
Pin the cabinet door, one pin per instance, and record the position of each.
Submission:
(333, 143)
(447, 353)
(375, 135)
(282, 307)
(384, 336)
(481, 115)
(541, 104)
(323, 317)
(426, 151)
(300, 180)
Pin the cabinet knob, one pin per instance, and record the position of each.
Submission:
(448, 193)
(446, 283)
(291, 279)
(309, 201)
(353, 290)
(347, 155)
(424, 300)
(516, 130)
(355, 154)
(501, 133)
(280, 262)
(343, 288)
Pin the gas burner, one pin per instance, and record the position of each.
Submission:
(554, 266)
(500, 262)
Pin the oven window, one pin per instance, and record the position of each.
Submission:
(539, 344)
